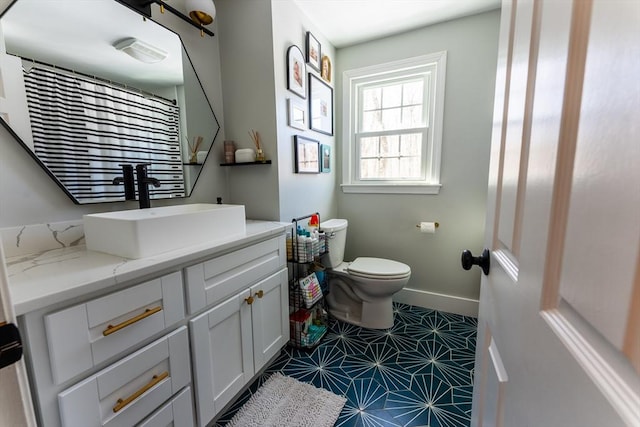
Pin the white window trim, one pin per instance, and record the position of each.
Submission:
(350, 78)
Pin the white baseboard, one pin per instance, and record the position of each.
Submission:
(435, 301)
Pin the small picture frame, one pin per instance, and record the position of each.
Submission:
(320, 106)
(314, 53)
(296, 71)
(307, 155)
(325, 158)
(325, 72)
(297, 113)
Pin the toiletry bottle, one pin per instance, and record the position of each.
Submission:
(322, 238)
(302, 245)
(314, 222)
(309, 243)
(315, 239)
(289, 246)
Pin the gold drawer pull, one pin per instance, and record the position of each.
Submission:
(249, 300)
(124, 402)
(148, 312)
(260, 293)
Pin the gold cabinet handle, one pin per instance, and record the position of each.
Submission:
(260, 293)
(124, 402)
(148, 312)
(249, 300)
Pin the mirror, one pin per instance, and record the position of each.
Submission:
(89, 88)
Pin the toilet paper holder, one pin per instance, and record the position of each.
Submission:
(435, 224)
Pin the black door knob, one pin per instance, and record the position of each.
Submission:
(484, 261)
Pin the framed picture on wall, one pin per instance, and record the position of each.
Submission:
(320, 106)
(325, 73)
(325, 158)
(313, 51)
(307, 155)
(296, 71)
(297, 114)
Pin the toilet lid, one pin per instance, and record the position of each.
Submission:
(378, 267)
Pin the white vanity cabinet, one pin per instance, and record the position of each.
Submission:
(236, 336)
(166, 340)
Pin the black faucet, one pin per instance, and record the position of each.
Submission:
(128, 181)
(143, 185)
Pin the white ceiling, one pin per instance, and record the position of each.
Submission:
(67, 34)
(347, 22)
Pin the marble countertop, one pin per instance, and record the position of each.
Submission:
(48, 277)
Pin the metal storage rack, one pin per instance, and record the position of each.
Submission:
(308, 313)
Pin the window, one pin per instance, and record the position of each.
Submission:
(393, 126)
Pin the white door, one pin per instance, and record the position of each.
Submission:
(559, 319)
(222, 354)
(269, 317)
(15, 400)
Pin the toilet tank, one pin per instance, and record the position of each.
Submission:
(336, 232)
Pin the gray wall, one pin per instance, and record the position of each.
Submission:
(254, 37)
(300, 194)
(248, 91)
(29, 196)
(385, 225)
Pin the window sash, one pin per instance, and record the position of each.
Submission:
(421, 176)
(423, 77)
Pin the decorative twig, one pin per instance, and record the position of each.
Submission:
(198, 142)
(193, 150)
(255, 136)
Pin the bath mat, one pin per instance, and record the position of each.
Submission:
(286, 402)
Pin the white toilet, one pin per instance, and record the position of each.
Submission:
(360, 291)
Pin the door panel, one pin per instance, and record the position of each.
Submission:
(597, 280)
(222, 352)
(559, 308)
(516, 140)
(16, 408)
(269, 317)
(15, 404)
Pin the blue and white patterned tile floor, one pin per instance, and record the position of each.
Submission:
(418, 373)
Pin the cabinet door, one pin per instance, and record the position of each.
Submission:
(270, 317)
(222, 354)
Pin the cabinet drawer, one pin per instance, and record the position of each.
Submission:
(178, 412)
(85, 335)
(212, 281)
(126, 392)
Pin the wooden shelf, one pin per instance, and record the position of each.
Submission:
(265, 162)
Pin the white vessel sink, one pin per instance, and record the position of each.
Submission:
(143, 233)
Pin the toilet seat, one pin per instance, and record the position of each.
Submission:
(378, 268)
